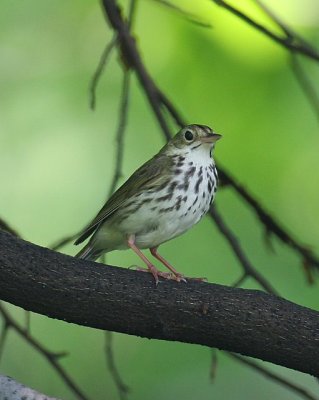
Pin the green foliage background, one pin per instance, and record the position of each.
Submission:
(57, 158)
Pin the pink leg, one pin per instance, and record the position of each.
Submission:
(150, 266)
(178, 276)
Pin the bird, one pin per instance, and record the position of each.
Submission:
(161, 200)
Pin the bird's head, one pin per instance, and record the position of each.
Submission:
(193, 137)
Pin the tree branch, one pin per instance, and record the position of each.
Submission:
(306, 85)
(132, 59)
(158, 100)
(13, 390)
(249, 322)
(292, 43)
(268, 221)
(98, 72)
(52, 358)
(267, 373)
(248, 268)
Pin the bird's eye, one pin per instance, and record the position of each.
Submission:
(189, 135)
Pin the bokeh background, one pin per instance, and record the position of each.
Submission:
(57, 159)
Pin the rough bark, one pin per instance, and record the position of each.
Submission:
(13, 390)
(249, 322)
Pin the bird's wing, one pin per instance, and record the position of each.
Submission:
(152, 174)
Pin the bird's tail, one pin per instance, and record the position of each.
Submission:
(89, 252)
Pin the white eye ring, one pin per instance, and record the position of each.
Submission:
(189, 136)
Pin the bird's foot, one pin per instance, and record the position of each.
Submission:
(179, 277)
(156, 273)
(165, 275)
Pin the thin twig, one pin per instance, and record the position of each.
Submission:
(239, 252)
(299, 72)
(121, 130)
(51, 357)
(27, 316)
(305, 84)
(132, 58)
(3, 337)
(123, 112)
(284, 27)
(291, 34)
(180, 121)
(270, 224)
(271, 375)
(241, 279)
(213, 365)
(99, 70)
(122, 388)
(293, 44)
(189, 16)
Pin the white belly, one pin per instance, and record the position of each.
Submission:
(157, 221)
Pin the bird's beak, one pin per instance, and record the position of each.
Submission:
(211, 138)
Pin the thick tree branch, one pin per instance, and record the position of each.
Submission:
(249, 322)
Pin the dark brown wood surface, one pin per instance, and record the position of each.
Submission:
(249, 322)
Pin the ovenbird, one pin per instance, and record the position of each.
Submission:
(161, 200)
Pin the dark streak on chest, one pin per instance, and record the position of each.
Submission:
(199, 181)
(188, 175)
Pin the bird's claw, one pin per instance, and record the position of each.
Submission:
(169, 276)
(179, 277)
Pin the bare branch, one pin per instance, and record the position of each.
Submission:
(180, 121)
(213, 365)
(300, 74)
(275, 377)
(3, 337)
(271, 225)
(241, 279)
(249, 322)
(122, 388)
(292, 44)
(13, 390)
(291, 34)
(150, 88)
(99, 70)
(189, 16)
(305, 84)
(249, 270)
(120, 131)
(132, 58)
(52, 358)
